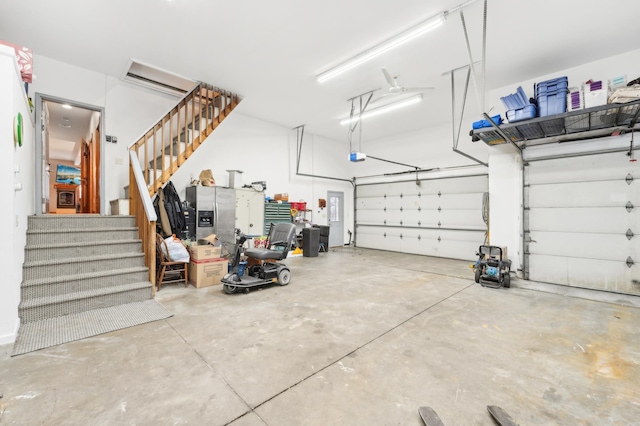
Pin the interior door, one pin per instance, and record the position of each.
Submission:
(62, 124)
(335, 205)
(94, 195)
(85, 168)
(45, 165)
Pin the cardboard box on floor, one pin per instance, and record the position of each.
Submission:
(205, 251)
(205, 273)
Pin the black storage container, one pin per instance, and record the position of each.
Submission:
(310, 242)
(324, 236)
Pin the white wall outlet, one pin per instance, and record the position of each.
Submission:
(119, 161)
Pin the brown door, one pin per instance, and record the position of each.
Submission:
(94, 186)
(85, 167)
(90, 175)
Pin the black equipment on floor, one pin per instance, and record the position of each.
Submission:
(269, 270)
(310, 242)
(492, 269)
(324, 237)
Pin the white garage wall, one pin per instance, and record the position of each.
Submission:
(505, 167)
(267, 152)
(15, 168)
(262, 150)
(129, 111)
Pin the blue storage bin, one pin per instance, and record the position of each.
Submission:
(551, 86)
(521, 113)
(552, 103)
(515, 101)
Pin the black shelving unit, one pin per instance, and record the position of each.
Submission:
(568, 126)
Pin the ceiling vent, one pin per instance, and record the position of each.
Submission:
(158, 79)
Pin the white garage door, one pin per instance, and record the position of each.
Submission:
(580, 223)
(440, 217)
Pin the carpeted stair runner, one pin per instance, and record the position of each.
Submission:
(83, 275)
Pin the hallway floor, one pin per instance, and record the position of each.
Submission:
(359, 337)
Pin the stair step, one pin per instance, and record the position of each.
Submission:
(87, 248)
(64, 284)
(154, 176)
(167, 163)
(176, 149)
(72, 235)
(55, 306)
(79, 265)
(80, 221)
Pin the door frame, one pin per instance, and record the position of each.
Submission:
(339, 194)
(39, 152)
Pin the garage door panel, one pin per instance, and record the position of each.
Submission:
(585, 273)
(593, 167)
(584, 194)
(429, 242)
(577, 220)
(613, 220)
(371, 203)
(460, 185)
(369, 217)
(404, 209)
(450, 202)
(465, 219)
(584, 245)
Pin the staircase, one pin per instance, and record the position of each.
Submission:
(165, 147)
(83, 275)
(176, 136)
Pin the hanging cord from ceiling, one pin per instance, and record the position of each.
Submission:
(485, 215)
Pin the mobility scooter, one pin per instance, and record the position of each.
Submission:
(269, 271)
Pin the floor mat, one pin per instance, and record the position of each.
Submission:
(55, 331)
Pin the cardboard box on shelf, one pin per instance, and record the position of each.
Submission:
(208, 272)
(204, 252)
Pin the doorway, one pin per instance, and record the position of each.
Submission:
(69, 149)
(335, 203)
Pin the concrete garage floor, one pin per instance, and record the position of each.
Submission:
(360, 337)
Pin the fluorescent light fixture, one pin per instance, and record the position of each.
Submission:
(66, 106)
(383, 109)
(379, 49)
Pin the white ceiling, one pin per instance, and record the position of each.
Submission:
(67, 128)
(270, 52)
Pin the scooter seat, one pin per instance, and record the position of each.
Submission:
(263, 253)
(281, 237)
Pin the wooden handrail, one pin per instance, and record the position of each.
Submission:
(162, 149)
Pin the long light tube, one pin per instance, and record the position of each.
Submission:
(383, 109)
(389, 44)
